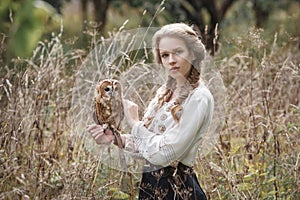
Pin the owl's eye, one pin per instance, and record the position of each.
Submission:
(107, 89)
(116, 89)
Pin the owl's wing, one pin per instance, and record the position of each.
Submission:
(118, 112)
(100, 111)
(95, 118)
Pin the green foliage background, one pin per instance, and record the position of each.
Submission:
(23, 23)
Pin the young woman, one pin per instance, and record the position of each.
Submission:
(170, 132)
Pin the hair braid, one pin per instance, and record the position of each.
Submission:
(164, 97)
(167, 94)
(191, 83)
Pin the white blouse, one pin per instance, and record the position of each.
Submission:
(166, 141)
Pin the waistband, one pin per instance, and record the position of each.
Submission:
(173, 168)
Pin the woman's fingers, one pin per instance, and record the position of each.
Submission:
(100, 135)
(94, 127)
(94, 134)
(103, 139)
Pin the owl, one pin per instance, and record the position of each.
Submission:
(109, 111)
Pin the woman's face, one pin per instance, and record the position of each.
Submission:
(175, 57)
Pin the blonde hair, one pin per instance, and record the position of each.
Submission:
(194, 44)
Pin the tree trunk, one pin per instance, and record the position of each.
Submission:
(261, 15)
(209, 32)
(100, 12)
(84, 9)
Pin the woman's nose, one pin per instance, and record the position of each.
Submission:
(172, 59)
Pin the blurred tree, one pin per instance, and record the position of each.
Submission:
(194, 11)
(203, 14)
(263, 8)
(262, 11)
(57, 4)
(23, 23)
(207, 14)
(100, 11)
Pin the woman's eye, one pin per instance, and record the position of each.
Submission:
(164, 55)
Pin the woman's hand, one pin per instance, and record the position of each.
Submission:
(101, 135)
(131, 112)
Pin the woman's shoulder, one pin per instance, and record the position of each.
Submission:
(160, 91)
(201, 92)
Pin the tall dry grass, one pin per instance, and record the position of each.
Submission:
(258, 153)
(257, 156)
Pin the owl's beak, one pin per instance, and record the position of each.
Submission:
(114, 93)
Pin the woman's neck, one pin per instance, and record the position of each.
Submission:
(180, 85)
(180, 81)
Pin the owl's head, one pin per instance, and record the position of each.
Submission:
(108, 89)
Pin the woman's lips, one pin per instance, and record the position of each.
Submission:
(174, 69)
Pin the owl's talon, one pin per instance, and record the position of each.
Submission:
(105, 126)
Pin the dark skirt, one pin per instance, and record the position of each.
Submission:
(170, 183)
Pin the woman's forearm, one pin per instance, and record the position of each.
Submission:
(123, 140)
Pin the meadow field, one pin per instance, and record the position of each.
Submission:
(257, 154)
